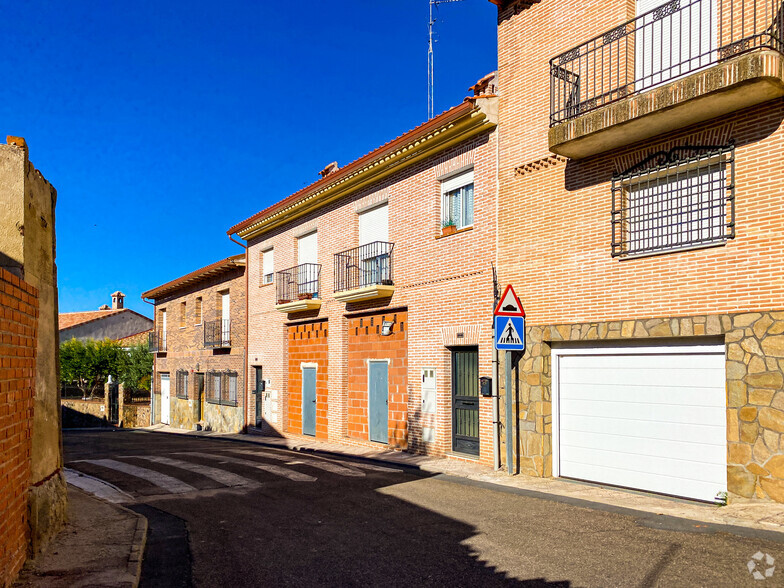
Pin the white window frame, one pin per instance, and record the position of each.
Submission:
(267, 277)
(448, 188)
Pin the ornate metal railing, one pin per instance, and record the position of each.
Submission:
(673, 40)
(297, 283)
(157, 341)
(217, 333)
(366, 265)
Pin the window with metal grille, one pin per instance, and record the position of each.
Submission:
(222, 387)
(181, 384)
(680, 199)
(213, 387)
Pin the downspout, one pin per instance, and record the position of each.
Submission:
(247, 325)
(154, 361)
(496, 372)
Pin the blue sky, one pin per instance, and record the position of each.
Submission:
(162, 124)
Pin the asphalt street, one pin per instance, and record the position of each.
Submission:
(227, 513)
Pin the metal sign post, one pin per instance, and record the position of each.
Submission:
(509, 335)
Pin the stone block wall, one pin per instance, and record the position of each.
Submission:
(18, 342)
(755, 390)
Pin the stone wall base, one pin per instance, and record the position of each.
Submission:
(48, 501)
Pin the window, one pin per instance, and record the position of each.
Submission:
(676, 200)
(267, 266)
(197, 310)
(182, 315)
(457, 200)
(213, 387)
(222, 387)
(182, 384)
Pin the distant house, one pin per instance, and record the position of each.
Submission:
(105, 323)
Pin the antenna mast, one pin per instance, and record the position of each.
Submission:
(431, 82)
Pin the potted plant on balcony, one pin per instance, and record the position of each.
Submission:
(448, 227)
(305, 295)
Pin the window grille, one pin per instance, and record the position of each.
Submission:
(680, 199)
(222, 387)
(181, 384)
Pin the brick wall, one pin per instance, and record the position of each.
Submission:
(445, 283)
(18, 336)
(554, 218)
(308, 344)
(365, 342)
(185, 349)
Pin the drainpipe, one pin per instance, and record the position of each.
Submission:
(496, 373)
(154, 361)
(245, 350)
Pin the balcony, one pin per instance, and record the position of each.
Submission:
(157, 341)
(297, 288)
(364, 273)
(217, 334)
(684, 62)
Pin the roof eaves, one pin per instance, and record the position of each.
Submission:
(365, 160)
(219, 267)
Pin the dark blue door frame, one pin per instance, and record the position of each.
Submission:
(378, 401)
(309, 401)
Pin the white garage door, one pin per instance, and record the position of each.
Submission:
(652, 418)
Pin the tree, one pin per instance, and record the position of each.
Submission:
(88, 364)
(136, 368)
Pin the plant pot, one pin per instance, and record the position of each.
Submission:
(448, 230)
(305, 296)
(284, 301)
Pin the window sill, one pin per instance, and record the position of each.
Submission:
(222, 402)
(632, 256)
(267, 284)
(178, 397)
(457, 232)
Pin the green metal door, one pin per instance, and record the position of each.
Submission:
(465, 400)
(259, 392)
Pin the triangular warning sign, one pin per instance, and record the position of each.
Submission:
(509, 335)
(509, 305)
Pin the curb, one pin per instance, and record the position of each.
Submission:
(134, 566)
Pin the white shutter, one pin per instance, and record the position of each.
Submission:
(307, 248)
(268, 263)
(374, 225)
(674, 45)
(225, 306)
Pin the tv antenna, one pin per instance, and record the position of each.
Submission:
(430, 72)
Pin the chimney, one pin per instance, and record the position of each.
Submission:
(117, 300)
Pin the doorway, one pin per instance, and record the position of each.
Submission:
(259, 392)
(165, 399)
(309, 401)
(465, 400)
(378, 401)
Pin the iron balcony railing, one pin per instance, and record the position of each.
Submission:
(157, 341)
(297, 283)
(673, 40)
(217, 333)
(366, 265)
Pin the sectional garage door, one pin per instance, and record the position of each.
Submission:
(651, 418)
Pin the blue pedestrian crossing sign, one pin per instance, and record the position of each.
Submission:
(510, 333)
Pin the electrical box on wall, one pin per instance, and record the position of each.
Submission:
(486, 386)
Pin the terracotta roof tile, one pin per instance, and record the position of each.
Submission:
(301, 194)
(224, 265)
(68, 320)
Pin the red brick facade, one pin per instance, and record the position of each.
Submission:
(555, 245)
(18, 341)
(189, 309)
(443, 298)
(308, 344)
(365, 342)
